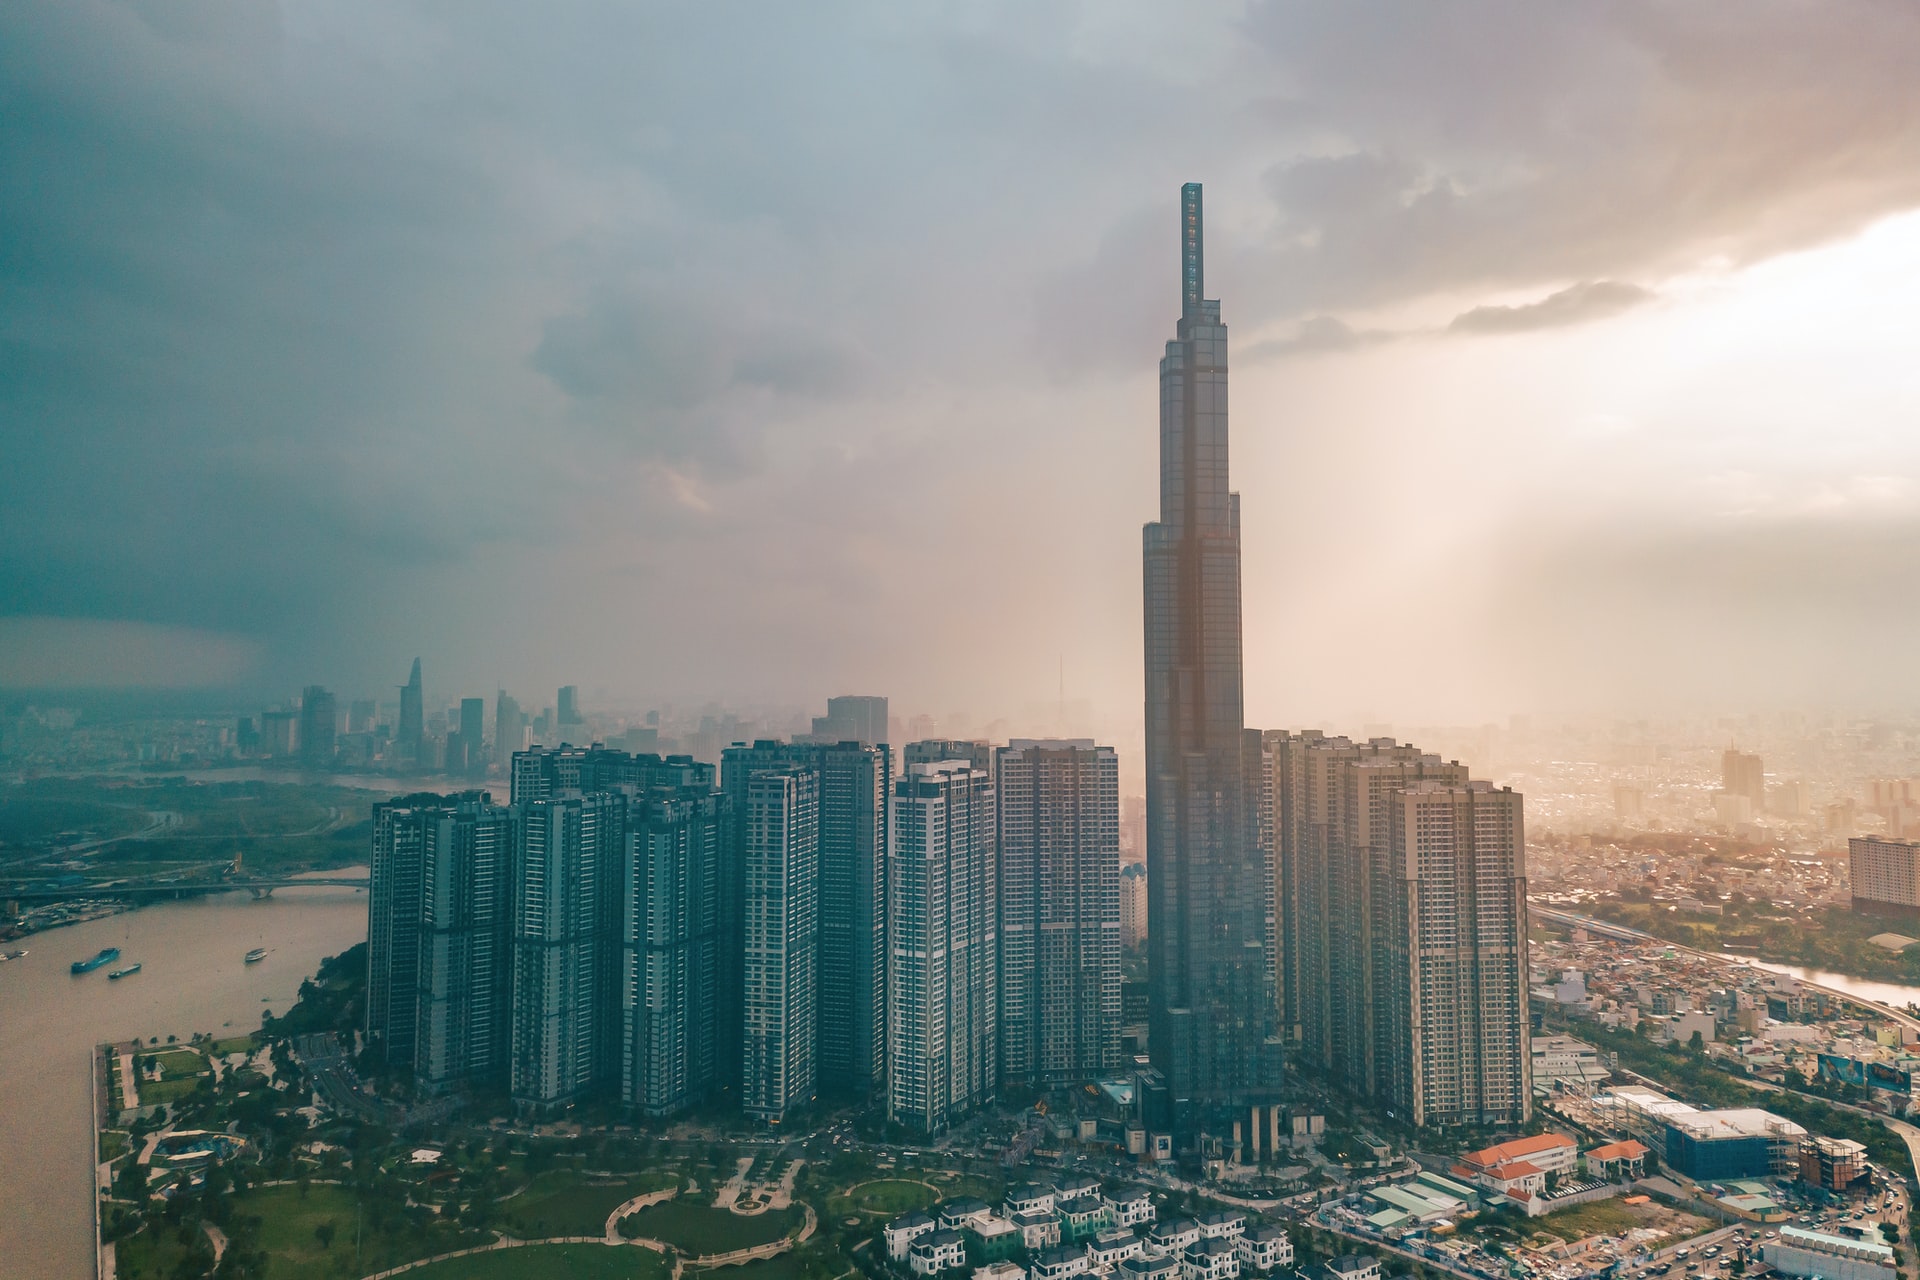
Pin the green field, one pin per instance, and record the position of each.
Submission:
(551, 1262)
(287, 1234)
(158, 1254)
(236, 1044)
(883, 1198)
(153, 1092)
(113, 1144)
(697, 1229)
(562, 1202)
(785, 1266)
(177, 1064)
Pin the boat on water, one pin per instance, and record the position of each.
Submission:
(107, 956)
(130, 969)
(256, 955)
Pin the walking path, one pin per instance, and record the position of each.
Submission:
(129, 1086)
(731, 1191)
(633, 1206)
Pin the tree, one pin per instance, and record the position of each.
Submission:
(324, 1233)
(1696, 1045)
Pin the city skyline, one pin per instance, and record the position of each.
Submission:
(1639, 386)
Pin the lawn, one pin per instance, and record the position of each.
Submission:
(157, 1253)
(113, 1144)
(563, 1202)
(885, 1198)
(784, 1266)
(157, 1091)
(551, 1262)
(288, 1223)
(698, 1230)
(236, 1044)
(1612, 1218)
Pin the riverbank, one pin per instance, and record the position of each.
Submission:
(194, 977)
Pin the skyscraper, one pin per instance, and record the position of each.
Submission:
(780, 931)
(1133, 904)
(1059, 851)
(470, 756)
(509, 729)
(562, 1035)
(941, 961)
(1744, 774)
(669, 950)
(317, 725)
(413, 723)
(466, 877)
(1453, 980)
(1210, 1003)
(852, 1021)
(569, 714)
(852, 718)
(394, 890)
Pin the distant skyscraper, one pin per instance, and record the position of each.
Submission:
(1059, 851)
(1453, 981)
(1745, 775)
(278, 732)
(942, 967)
(852, 1019)
(1133, 904)
(561, 913)
(780, 929)
(935, 750)
(466, 746)
(1210, 1001)
(413, 724)
(509, 730)
(669, 950)
(852, 719)
(361, 713)
(466, 863)
(569, 707)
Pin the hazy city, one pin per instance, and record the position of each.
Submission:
(1234, 641)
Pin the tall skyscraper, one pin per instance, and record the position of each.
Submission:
(1059, 851)
(852, 1020)
(1133, 904)
(1453, 986)
(394, 891)
(941, 961)
(509, 729)
(466, 899)
(1744, 774)
(413, 724)
(669, 950)
(852, 719)
(317, 725)
(780, 930)
(569, 714)
(1210, 1003)
(562, 1035)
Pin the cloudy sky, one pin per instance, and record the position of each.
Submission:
(769, 351)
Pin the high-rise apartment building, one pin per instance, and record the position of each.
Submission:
(569, 712)
(467, 850)
(851, 1023)
(780, 925)
(670, 950)
(1885, 876)
(394, 890)
(562, 1002)
(317, 726)
(852, 719)
(1452, 984)
(1745, 775)
(410, 736)
(1059, 894)
(1133, 904)
(941, 962)
(279, 733)
(466, 746)
(1210, 997)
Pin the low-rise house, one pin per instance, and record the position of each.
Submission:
(1617, 1161)
(1029, 1197)
(991, 1239)
(1078, 1185)
(1547, 1152)
(1083, 1216)
(903, 1231)
(1058, 1263)
(1265, 1248)
(1173, 1236)
(1039, 1229)
(1150, 1267)
(1223, 1224)
(1112, 1247)
(1353, 1266)
(1214, 1258)
(1002, 1270)
(937, 1251)
(961, 1210)
(1132, 1206)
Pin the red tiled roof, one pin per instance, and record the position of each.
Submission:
(1628, 1150)
(1518, 1149)
(1514, 1169)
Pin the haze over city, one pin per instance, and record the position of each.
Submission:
(789, 352)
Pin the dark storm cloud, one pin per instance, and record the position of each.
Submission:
(308, 313)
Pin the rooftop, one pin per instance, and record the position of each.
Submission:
(1520, 1148)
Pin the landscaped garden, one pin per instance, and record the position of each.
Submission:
(697, 1229)
(550, 1262)
(569, 1202)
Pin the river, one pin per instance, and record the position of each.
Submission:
(194, 978)
(1887, 993)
